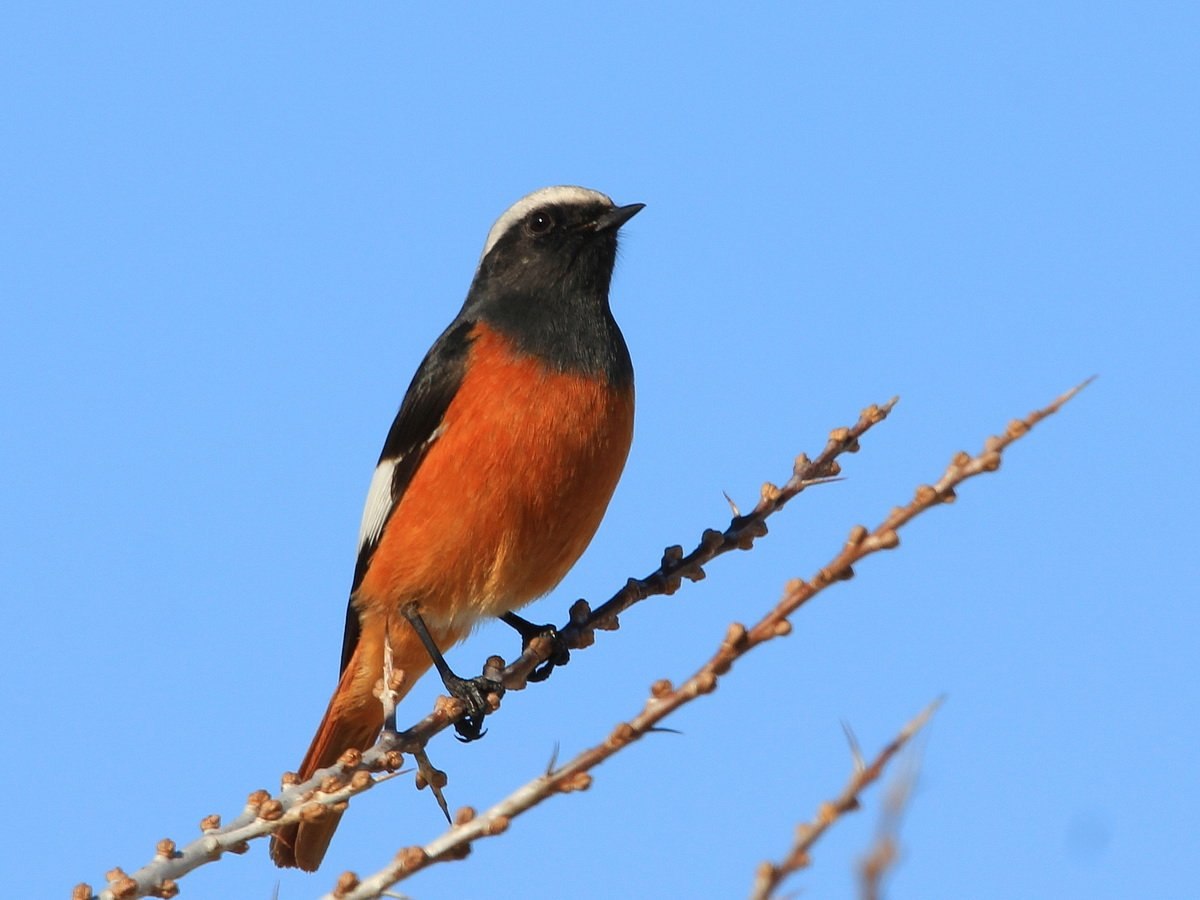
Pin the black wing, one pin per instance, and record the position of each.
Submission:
(413, 430)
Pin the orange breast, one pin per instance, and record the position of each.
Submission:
(509, 494)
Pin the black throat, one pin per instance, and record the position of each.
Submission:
(555, 307)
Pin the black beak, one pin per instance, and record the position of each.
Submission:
(616, 217)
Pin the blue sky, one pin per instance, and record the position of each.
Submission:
(230, 234)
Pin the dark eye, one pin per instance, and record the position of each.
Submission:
(539, 222)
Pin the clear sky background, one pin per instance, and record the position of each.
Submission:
(229, 235)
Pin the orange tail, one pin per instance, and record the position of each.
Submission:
(353, 719)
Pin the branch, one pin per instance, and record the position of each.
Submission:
(770, 875)
(884, 852)
(355, 771)
(665, 699)
(741, 533)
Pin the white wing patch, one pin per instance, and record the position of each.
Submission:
(379, 503)
(379, 495)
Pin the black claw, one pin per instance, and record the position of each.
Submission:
(560, 656)
(542, 672)
(473, 694)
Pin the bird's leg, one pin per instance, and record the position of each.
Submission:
(560, 655)
(473, 692)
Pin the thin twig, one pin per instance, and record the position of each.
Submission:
(769, 875)
(884, 850)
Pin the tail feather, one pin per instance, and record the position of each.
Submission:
(352, 720)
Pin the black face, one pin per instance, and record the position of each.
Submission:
(554, 247)
(544, 283)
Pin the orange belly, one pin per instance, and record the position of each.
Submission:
(509, 494)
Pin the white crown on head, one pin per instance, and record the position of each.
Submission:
(564, 193)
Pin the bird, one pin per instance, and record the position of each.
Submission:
(496, 472)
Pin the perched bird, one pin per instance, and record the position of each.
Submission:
(497, 469)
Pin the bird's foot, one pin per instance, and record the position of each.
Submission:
(559, 655)
(473, 693)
